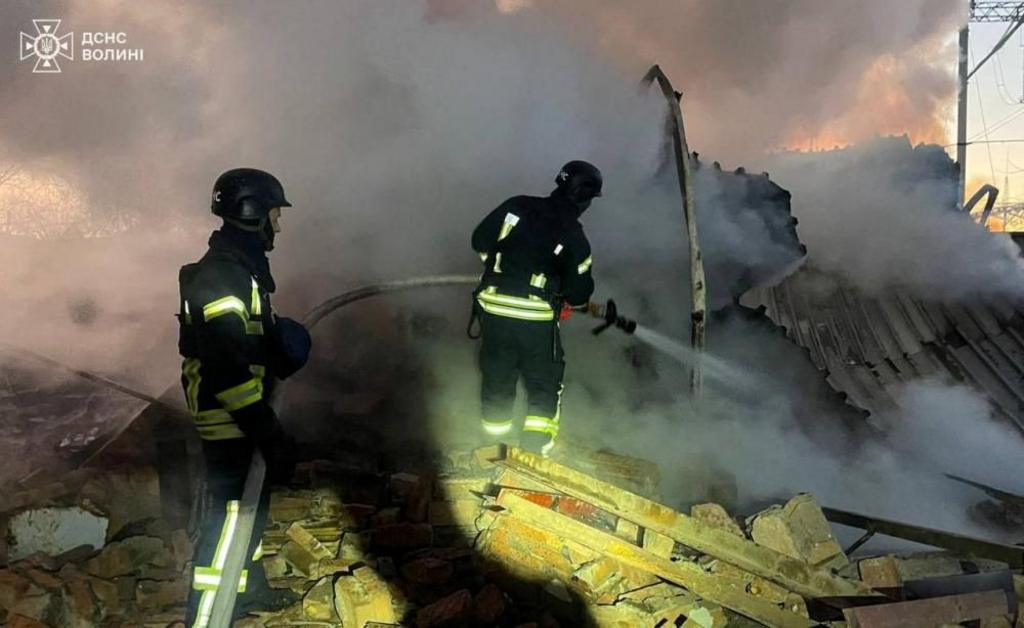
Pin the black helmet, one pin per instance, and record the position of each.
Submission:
(580, 182)
(247, 194)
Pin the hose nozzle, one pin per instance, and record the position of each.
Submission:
(610, 314)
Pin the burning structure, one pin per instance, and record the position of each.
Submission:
(393, 518)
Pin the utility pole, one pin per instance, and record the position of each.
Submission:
(961, 116)
(989, 11)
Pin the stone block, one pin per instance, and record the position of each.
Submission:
(363, 597)
(715, 516)
(882, 572)
(128, 557)
(318, 603)
(799, 529)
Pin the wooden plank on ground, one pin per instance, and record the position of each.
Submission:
(793, 574)
(687, 575)
(927, 613)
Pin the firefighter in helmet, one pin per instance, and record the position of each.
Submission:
(537, 267)
(235, 347)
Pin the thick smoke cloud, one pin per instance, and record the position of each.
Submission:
(883, 216)
(394, 126)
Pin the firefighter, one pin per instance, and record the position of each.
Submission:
(235, 347)
(537, 267)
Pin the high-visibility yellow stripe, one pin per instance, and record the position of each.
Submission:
(188, 314)
(539, 280)
(205, 609)
(510, 312)
(585, 265)
(225, 305)
(226, 431)
(233, 305)
(484, 256)
(208, 579)
(541, 424)
(491, 295)
(258, 552)
(255, 306)
(496, 428)
(511, 220)
(558, 249)
(242, 395)
(497, 262)
(190, 368)
(220, 556)
(216, 416)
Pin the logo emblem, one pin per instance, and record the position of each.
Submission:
(46, 46)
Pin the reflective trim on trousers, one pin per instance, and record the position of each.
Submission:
(220, 556)
(496, 428)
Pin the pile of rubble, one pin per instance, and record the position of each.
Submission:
(495, 537)
(92, 550)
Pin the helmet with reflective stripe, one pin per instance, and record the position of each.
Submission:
(580, 181)
(247, 194)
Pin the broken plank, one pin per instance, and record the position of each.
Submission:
(1012, 555)
(687, 575)
(928, 613)
(793, 574)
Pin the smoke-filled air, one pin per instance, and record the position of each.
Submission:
(395, 126)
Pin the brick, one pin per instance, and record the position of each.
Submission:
(489, 605)
(298, 534)
(882, 572)
(412, 492)
(128, 557)
(403, 536)
(454, 610)
(428, 571)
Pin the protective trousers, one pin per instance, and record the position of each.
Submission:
(512, 348)
(227, 463)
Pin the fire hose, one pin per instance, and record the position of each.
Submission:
(224, 599)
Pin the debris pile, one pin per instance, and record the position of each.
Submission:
(92, 550)
(496, 537)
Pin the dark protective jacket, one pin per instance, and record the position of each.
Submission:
(535, 256)
(231, 342)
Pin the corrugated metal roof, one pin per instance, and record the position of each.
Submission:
(868, 345)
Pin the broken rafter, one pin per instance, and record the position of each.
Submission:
(790, 573)
(689, 576)
(1012, 555)
(684, 170)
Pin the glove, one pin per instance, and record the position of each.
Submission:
(566, 312)
(292, 347)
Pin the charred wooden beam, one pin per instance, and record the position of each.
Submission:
(1012, 555)
(763, 562)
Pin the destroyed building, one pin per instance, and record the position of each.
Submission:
(377, 531)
